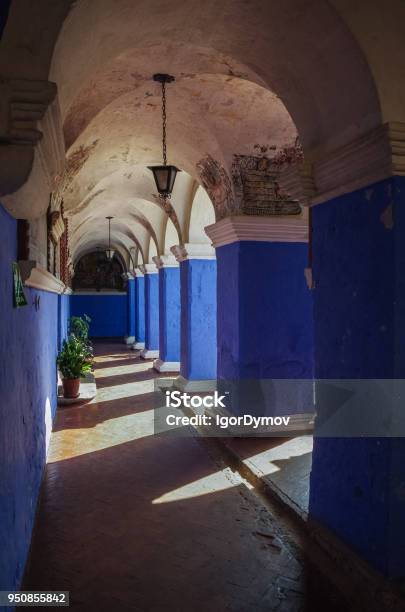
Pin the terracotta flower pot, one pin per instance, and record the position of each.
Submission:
(71, 387)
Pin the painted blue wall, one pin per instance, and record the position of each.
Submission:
(198, 338)
(140, 309)
(63, 318)
(108, 313)
(359, 298)
(131, 307)
(169, 314)
(265, 325)
(28, 386)
(152, 311)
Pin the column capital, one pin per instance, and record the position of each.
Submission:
(138, 273)
(368, 159)
(128, 275)
(258, 229)
(166, 261)
(149, 268)
(182, 252)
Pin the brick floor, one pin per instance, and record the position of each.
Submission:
(132, 521)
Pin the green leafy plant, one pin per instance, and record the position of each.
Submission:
(73, 360)
(79, 327)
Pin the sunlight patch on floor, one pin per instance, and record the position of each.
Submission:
(219, 481)
(126, 390)
(264, 461)
(120, 370)
(69, 443)
(111, 357)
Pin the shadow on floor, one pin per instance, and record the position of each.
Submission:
(133, 521)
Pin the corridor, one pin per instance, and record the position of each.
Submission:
(132, 521)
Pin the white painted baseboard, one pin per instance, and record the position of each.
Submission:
(166, 366)
(149, 354)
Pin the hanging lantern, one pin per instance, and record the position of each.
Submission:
(109, 252)
(164, 175)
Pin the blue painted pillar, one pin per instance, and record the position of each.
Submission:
(265, 317)
(130, 337)
(139, 309)
(198, 283)
(169, 314)
(358, 473)
(151, 350)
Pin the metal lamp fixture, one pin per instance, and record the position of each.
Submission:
(109, 252)
(164, 175)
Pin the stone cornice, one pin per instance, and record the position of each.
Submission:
(258, 229)
(149, 268)
(166, 261)
(182, 252)
(368, 159)
(23, 105)
(38, 278)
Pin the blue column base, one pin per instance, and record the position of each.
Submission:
(166, 366)
(149, 353)
(194, 386)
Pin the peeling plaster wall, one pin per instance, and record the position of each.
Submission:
(28, 349)
(359, 299)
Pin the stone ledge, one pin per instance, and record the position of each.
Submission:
(258, 229)
(35, 277)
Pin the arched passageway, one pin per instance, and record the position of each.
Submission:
(271, 274)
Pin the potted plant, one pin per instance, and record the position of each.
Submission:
(79, 327)
(74, 362)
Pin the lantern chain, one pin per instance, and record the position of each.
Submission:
(164, 123)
